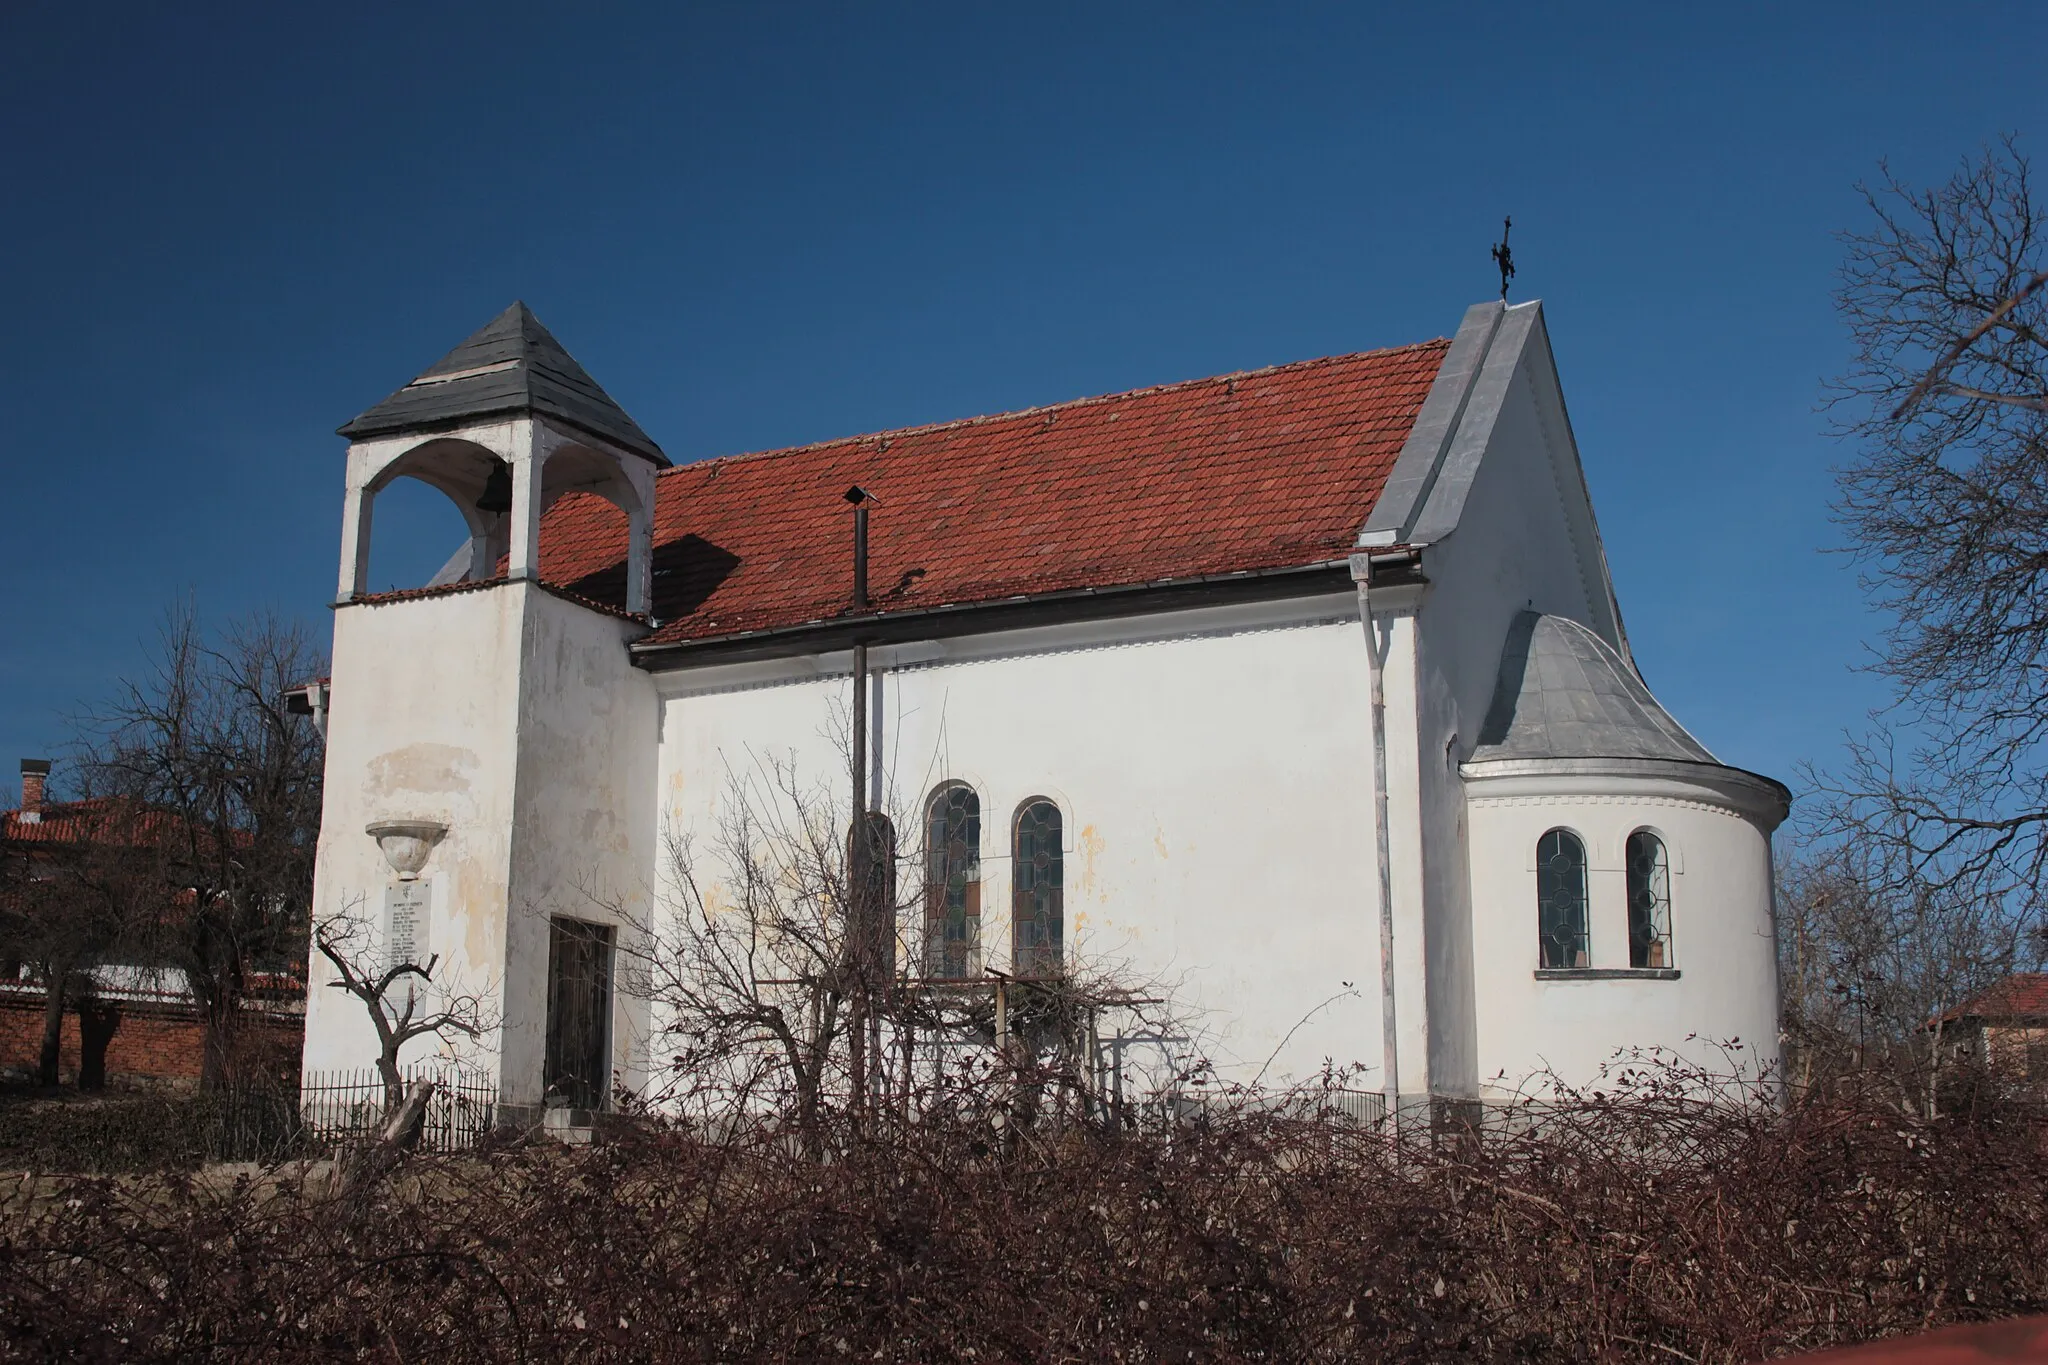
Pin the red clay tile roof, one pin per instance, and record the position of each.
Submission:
(2020, 996)
(611, 607)
(102, 820)
(1270, 469)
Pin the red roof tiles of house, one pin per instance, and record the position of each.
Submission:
(102, 820)
(1270, 469)
(2023, 995)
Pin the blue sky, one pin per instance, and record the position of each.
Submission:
(230, 228)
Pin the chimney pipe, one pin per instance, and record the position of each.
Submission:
(860, 498)
(35, 773)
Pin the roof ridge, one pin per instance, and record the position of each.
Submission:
(981, 419)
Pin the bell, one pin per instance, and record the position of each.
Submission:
(497, 494)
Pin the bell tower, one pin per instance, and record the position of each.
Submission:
(489, 792)
(503, 424)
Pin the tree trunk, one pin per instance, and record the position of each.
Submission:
(1934, 1073)
(357, 1165)
(217, 1054)
(403, 1127)
(809, 1115)
(394, 1083)
(1023, 1088)
(98, 1021)
(54, 977)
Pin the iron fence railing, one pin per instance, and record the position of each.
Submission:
(342, 1105)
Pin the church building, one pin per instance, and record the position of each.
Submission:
(1300, 695)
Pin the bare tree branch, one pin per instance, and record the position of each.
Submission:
(1936, 374)
(203, 748)
(427, 1008)
(1938, 817)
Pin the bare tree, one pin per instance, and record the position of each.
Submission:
(403, 999)
(1874, 962)
(787, 967)
(748, 958)
(1933, 832)
(81, 893)
(204, 746)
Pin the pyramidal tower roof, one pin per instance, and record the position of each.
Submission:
(512, 365)
(1565, 693)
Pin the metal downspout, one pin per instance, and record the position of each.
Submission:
(1375, 655)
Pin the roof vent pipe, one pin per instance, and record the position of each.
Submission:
(860, 498)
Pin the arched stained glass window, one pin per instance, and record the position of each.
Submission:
(1649, 901)
(953, 882)
(1037, 916)
(1561, 900)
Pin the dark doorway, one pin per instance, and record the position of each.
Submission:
(577, 1065)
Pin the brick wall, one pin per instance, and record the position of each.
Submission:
(2018, 1051)
(154, 1043)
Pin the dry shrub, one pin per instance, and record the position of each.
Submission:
(148, 1130)
(1639, 1223)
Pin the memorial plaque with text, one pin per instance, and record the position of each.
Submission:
(406, 910)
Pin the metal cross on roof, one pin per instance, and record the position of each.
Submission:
(1504, 258)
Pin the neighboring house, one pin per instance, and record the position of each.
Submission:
(125, 1021)
(2005, 1027)
(1123, 655)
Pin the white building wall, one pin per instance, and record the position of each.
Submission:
(1525, 539)
(584, 824)
(516, 720)
(1721, 931)
(412, 736)
(1214, 790)
(1515, 548)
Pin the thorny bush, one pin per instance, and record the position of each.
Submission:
(1639, 1222)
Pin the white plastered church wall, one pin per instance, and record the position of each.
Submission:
(516, 720)
(409, 737)
(584, 823)
(1212, 767)
(1491, 491)
(1522, 539)
(1721, 930)
(1215, 816)
(1514, 531)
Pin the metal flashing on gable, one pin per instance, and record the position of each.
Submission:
(1497, 347)
(1437, 425)
(1443, 504)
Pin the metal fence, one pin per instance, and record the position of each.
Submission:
(1356, 1108)
(337, 1106)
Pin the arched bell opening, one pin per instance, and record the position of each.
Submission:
(578, 519)
(501, 498)
(473, 479)
(592, 496)
(517, 425)
(423, 538)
